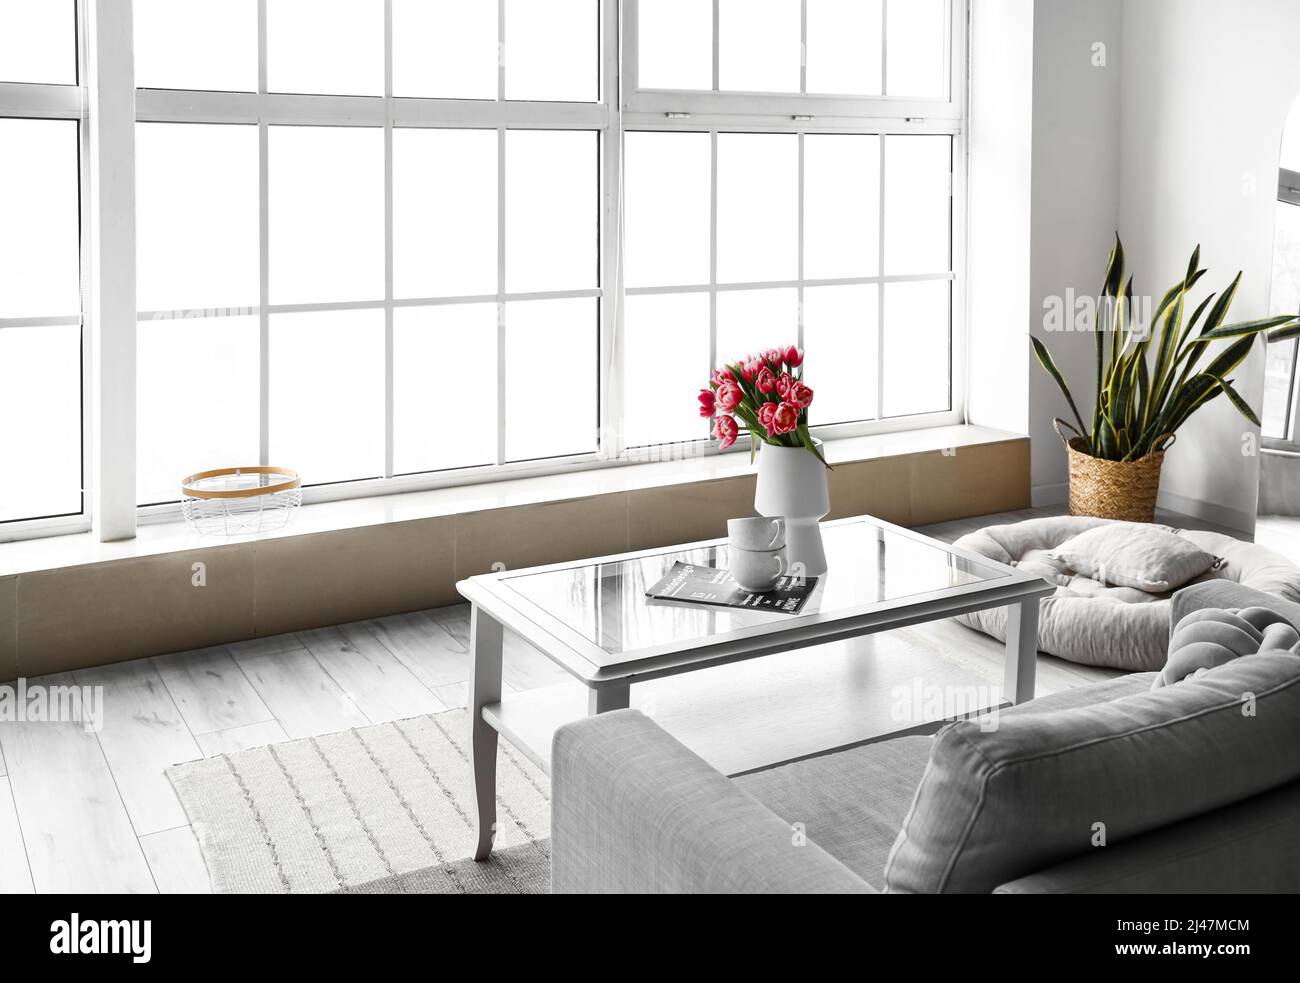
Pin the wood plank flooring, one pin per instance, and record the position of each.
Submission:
(82, 812)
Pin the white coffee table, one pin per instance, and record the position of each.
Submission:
(592, 618)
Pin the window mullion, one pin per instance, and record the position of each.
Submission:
(803, 48)
(388, 239)
(880, 290)
(264, 252)
(800, 273)
(112, 307)
(610, 380)
(501, 236)
(713, 249)
(717, 19)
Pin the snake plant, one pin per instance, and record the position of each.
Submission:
(1140, 404)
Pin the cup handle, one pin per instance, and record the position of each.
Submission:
(778, 530)
(780, 564)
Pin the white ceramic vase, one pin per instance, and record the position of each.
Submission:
(792, 483)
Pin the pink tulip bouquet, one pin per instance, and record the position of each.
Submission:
(766, 394)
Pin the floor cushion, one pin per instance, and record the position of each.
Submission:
(1099, 624)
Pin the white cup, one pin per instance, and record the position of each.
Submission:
(757, 570)
(757, 533)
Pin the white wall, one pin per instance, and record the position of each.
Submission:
(1075, 205)
(1000, 150)
(1205, 91)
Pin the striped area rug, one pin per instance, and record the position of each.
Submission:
(386, 809)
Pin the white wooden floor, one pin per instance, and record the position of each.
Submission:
(83, 812)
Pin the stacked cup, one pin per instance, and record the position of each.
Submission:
(757, 551)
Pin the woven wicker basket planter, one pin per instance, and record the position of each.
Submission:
(1113, 489)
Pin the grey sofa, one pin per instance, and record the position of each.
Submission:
(1110, 787)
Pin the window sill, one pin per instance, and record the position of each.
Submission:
(174, 536)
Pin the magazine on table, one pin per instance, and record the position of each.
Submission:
(696, 584)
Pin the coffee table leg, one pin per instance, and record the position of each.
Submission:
(1022, 651)
(485, 641)
(607, 698)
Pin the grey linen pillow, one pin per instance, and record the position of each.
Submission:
(1134, 554)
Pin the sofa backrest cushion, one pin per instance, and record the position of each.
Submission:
(996, 805)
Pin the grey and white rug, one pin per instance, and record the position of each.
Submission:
(383, 809)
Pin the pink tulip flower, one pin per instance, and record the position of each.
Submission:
(726, 430)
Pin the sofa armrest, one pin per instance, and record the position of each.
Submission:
(1228, 594)
(633, 810)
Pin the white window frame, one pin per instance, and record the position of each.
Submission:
(714, 112)
(623, 106)
(42, 100)
(1288, 193)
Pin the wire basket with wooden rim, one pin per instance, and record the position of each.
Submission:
(240, 501)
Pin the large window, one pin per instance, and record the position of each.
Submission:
(363, 266)
(41, 364)
(403, 243)
(789, 174)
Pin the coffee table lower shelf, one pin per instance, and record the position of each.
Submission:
(759, 713)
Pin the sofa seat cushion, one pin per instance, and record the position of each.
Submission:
(996, 805)
(1095, 623)
(850, 803)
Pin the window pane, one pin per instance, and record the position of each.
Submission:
(666, 209)
(39, 228)
(197, 216)
(916, 41)
(751, 321)
(326, 214)
(675, 44)
(444, 212)
(659, 393)
(839, 329)
(758, 45)
(445, 49)
(451, 424)
(40, 410)
(758, 207)
(1279, 364)
(918, 209)
(551, 208)
(553, 50)
(325, 46)
(196, 44)
(1284, 295)
(38, 41)
(841, 206)
(844, 46)
(327, 394)
(917, 358)
(197, 400)
(551, 351)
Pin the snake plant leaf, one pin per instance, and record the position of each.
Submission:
(1049, 365)
(1230, 357)
(1246, 327)
(1220, 309)
(1235, 399)
(1191, 325)
(1282, 334)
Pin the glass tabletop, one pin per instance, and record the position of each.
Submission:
(606, 602)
